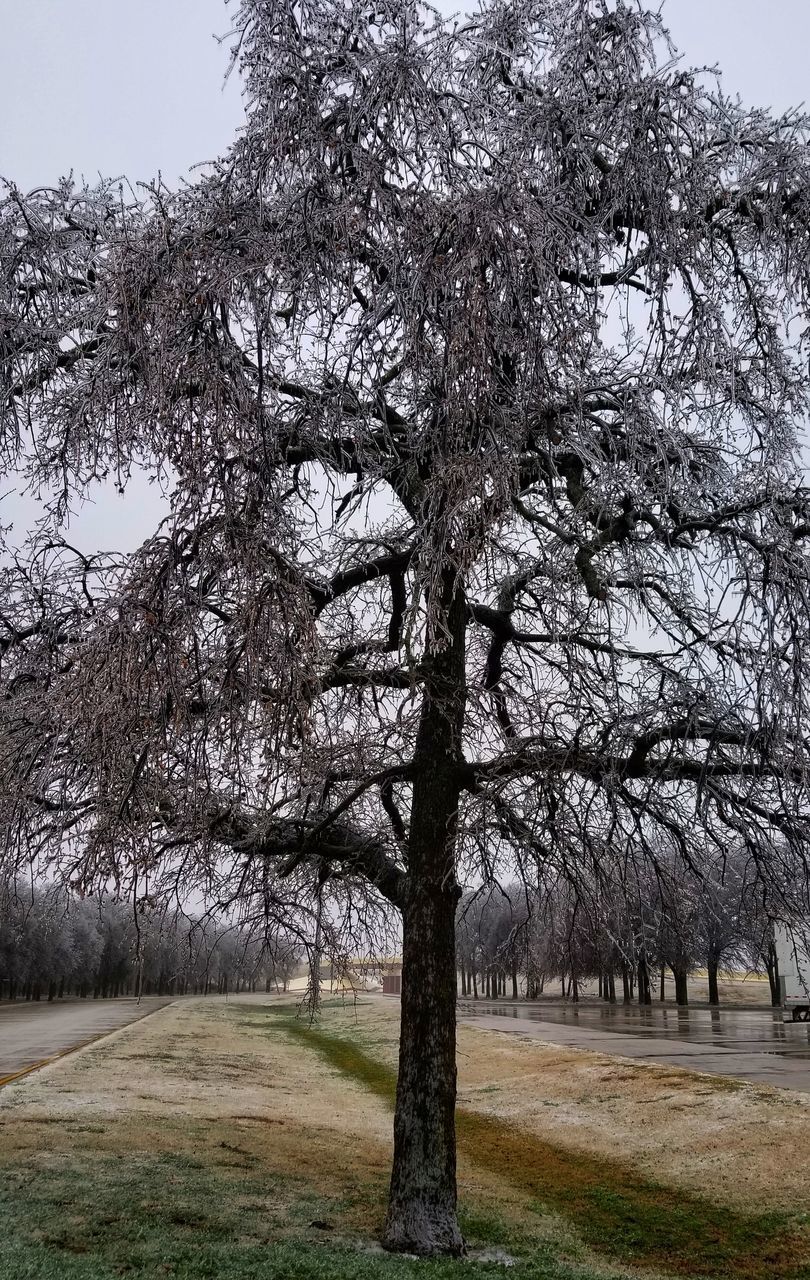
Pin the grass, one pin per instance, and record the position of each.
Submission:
(615, 1210)
(103, 1217)
(250, 1196)
(228, 1193)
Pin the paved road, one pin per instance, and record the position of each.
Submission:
(750, 1044)
(31, 1031)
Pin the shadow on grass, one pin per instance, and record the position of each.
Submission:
(615, 1210)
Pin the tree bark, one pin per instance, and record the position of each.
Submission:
(681, 988)
(712, 965)
(422, 1203)
(644, 993)
(772, 966)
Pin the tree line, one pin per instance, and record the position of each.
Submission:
(511, 940)
(53, 946)
(626, 938)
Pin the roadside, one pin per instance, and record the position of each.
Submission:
(744, 1145)
(32, 1033)
(755, 1046)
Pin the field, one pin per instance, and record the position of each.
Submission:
(231, 1141)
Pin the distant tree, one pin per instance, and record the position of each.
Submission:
(282, 959)
(491, 938)
(468, 940)
(475, 370)
(720, 917)
(677, 941)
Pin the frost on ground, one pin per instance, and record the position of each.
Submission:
(742, 1144)
(208, 1075)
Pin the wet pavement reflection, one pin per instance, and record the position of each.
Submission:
(740, 1030)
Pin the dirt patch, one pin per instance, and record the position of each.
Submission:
(745, 1145)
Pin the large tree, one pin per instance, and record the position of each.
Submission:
(473, 374)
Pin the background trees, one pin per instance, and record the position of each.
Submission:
(52, 946)
(620, 936)
(474, 371)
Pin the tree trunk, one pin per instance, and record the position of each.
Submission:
(772, 966)
(681, 991)
(422, 1203)
(712, 965)
(514, 980)
(612, 987)
(663, 988)
(627, 994)
(644, 993)
(314, 992)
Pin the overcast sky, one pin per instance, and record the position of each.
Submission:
(133, 87)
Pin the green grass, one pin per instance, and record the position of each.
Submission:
(615, 1210)
(100, 1218)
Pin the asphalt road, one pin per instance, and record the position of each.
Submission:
(751, 1044)
(31, 1031)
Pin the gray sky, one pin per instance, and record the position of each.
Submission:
(133, 87)
(113, 87)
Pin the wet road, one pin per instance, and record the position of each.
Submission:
(31, 1031)
(751, 1044)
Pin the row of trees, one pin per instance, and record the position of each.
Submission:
(510, 940)
(52, 946)
(514, 939)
